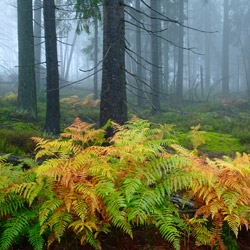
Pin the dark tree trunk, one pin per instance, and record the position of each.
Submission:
(225, 51)
(155, 82)
(113, 94)
(96, 60)
(26, 102)
(52, 125)
(37, 40)
(140, 100)
(179, 85)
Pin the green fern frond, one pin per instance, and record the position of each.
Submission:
(48, 207)
(91, 238)
(15, 227)
(166, 223)
(115, 204)
(10, 204)
(131, 185)
(35, 239)
(59, 222)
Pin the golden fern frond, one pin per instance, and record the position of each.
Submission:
(59, 222)
(46, 208)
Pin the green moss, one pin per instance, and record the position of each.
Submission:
(17, 141)
(214, 142)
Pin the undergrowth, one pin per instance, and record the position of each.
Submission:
(87, 184)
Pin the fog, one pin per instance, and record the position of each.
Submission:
(206, 62)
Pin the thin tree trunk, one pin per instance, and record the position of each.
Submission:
(140, 100)
(26, 102)
(155, 82)
(166, 49)
(52, 124)
(70, 56)
(225, 51)
(202, 83)
(38, 40)
(61, 60)
(113, 94)
(207, 47)
(96, 60)
(189, 58)
(179, 87)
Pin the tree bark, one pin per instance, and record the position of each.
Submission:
(113, 94)
(26, 101)
(179, 84)
(38, 40)
(52, 124)
(225, 51)
(155, 82)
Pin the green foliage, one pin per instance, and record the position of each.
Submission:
(17, 145)
(87, 10)
(211, 142)
(86, 187)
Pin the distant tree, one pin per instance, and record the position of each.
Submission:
(52, 124)
(96, 58)
(26, 102)
(38, 40)
(140, 100)
(207, 46)
(166, 5)
(155, 27)
(225, 50)
(88, 11)
(179, 85)
(113, 93)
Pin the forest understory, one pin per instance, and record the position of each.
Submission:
(214, 130)
(124, 124)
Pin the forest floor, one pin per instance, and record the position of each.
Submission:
(143, 240)
(226, 127)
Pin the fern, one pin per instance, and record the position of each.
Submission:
(15, 227)
(88, 187)
(34, 237)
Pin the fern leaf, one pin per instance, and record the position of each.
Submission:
(35, 239)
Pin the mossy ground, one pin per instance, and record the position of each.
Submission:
(227, 127)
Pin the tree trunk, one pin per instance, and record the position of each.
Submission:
(38, 40)
(70, 57)
(207, 47)
(155, 82)
(113, 94)
(202, 83)
(96, 60)
(179, 85)
(26, 102)
(225, 51)
(52, 125)
(140, 100)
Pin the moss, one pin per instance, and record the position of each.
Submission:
(17, 141)
(214, 142)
